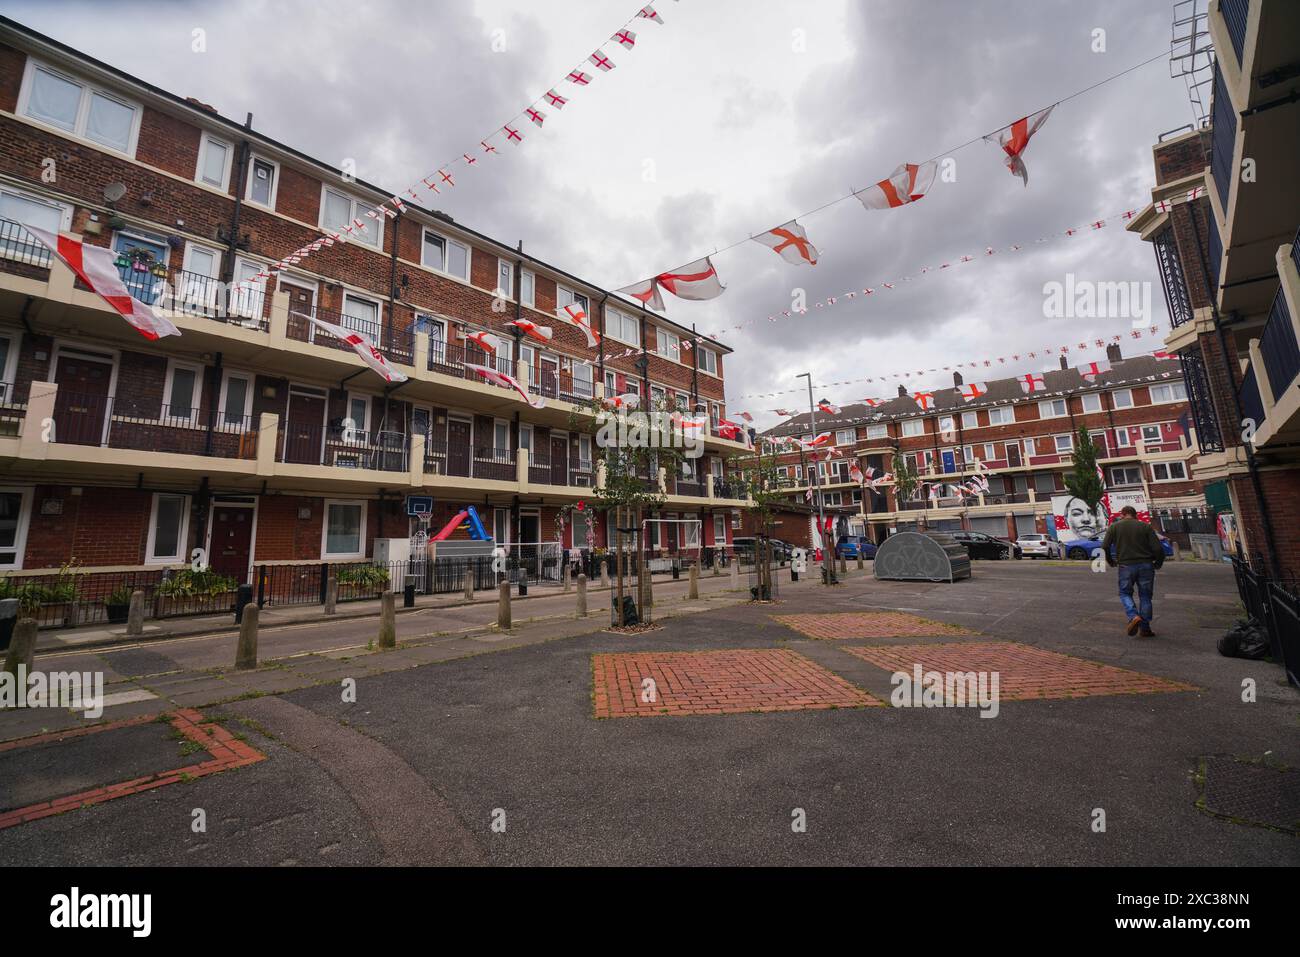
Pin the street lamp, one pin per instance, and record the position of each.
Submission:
(827, 566)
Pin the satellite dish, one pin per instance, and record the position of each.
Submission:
(114, 191)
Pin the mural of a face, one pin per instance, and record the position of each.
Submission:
(1084, 523)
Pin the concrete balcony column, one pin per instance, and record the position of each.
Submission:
(663, 480)
(523, 372)
(1290, 276)
(599, 391)
(421, 359)
(416, 463)
(268, 435)
(708, 485)
(600, 474)
(521, 470)
(60, 285)
(279, 325)
(38, 423)
(1266, 397)
(1033, 494)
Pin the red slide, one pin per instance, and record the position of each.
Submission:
(451, 527)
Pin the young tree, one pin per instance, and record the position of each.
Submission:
(1085, 484)
(758, 477)
(906, 479)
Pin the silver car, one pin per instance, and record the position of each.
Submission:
(1040, 546)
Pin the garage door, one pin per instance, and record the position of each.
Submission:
(990, 525)
(1025, 525)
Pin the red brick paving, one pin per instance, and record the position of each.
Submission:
(876, 624)
(1024, 673)
(718, 682)
(227, 752)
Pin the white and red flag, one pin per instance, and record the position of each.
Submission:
(828, 407)
(790, 242)
(625, 38)
(746, 416)
(555, 100)
(578, 77)
(695, 281)
(817, 442)
(905, 185)
(924, 399)
(532, 329)
(360, 345)
(96, 267)
(974, 390)
(648, 13)
(785, 412)
(872, 402)
(486, 341)
(729, 430)
(855, 473)
(601, 62)
(1160, 354)
(575, 315)
(1032, 382)
(629, 400)
(1091, 370)
(1014, 138)
(508, 382)
(536, 115)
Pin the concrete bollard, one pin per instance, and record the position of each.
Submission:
(716, 560)
(469, 584)
(246, 651)
(582, 595)
(735, 573)
(387, 620)
(568, 580)
(844, 565)
(135, 616)
(503, 606)
(693, 583)
(22, 647)
(859, 559)
(331, 595)
(604, 574)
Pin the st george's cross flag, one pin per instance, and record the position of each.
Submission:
(828, 407)
(871, 402)
(532, 329)
(1091, 370)
(855, 473)
(905, 185)
(507, 382)
(924, 399)
(974, 390)
(790, 242)
(1014, 138)
(575, 315)
(360, 345)
(784, 412)
(648, 13)
(1032, 382)
(695, 281)
(485, 340)
(95, 266)
(818, 442)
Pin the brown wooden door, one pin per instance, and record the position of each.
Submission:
(559, 460)
(304, 431)
(301, 301)
(232, 541)
(82, 405)
(1013, 455)
(458, 447)
(549, 376)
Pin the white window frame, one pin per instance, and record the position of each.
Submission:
(951, 427)
(851, 440)
(970, 420)
(1005, 415)
(1128, 398)
(1168, 469)
(527, 280)
(1123, 471)
(564, 296)
(24, 521)
(1069, 443)
(668, 344)
(356, 212)
(350, 396)
(911, 428)
(325, 554)
(1047, 409)
(226, 376)
(877, 432)
(182, 535)
(196, 397)
(253, 160)
(79, 123)
(507, 291)
(1123, 439)
(620, 317)
(204, 140)
(708, 360)
(447, 242)
(65, 221)
(1171, 387)
(1154, 428)
(1094, 398)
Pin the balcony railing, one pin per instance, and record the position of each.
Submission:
(1252, 407)
(690, 486)
(194, 294)
(1208, 435)
(19, 246)
(315, 444)
(93, 420)
(496, 464)
(450, 359)
(1222, 138)
(1295, 249)
(1235, 15)
(1277, 347)
(12, 411)
(395, 342)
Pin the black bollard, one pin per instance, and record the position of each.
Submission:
(243, 597)
(408, 595)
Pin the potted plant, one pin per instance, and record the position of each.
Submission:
(362, 581)
(118, 605)
(187, 592)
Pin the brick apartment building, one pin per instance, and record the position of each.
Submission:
(1229, 263)
(253, 435)
(1136, 412)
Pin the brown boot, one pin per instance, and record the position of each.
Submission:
(1146, 632)
(1134, 624)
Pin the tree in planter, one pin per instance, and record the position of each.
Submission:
(758, 477)
(906, 479)
(1086, 483)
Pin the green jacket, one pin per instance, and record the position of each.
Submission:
(1135, 542)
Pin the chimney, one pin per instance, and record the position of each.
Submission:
(902, 391)
(1112, 352)
(1064, 364)
(956, 378)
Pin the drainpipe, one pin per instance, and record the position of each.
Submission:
(232, 241)
(213, 410)
(600, 346)
(519, 314)
(695, 369)
(392, 285)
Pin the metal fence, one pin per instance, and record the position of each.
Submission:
(71, 598)
(1276, 606)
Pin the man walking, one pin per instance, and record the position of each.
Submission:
(1138, 553)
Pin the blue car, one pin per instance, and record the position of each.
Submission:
(848, 547)
(1086, 548)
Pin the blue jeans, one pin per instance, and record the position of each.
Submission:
(1144, 576)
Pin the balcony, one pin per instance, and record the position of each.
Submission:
(1172, 278)
(338, 447)
(395, 341)
(193, 294)
(93, 420)
(1277, 346)
(1223, 138)
(1235, 14)
(449, 359)
(1252, 406)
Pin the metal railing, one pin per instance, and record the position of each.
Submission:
(1277, 347)
(1222, 137)
(1252, 406)
(496, 464)
(1275, 605)
(72, 598)
(94, 420)
(17, 245)
(11, 410)
(396, 342)
(450, 359)
(337, 447)
(1235, 14)
(194, 294)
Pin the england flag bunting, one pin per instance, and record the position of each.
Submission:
(508, 382)
(360, 345)
(924, 399)
(871, 402)
(697, 281)
(625, 38)
(648, 13)
(575, 315)
(828, 407)
(974, 390)
(817, 442)
(855, 473)
(729, 430)
(485, 340)
(790, 242)
(601, 62)
(786, 413)
(905, 185)
(1032, 383)
(746, 416)
(629, 400)
(95, 266)
(1091, 370)
(1014, 138)
(532, 329)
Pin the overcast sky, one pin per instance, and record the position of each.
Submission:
(729, 119)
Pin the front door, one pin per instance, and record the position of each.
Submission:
(232, 541)
(559, 460)
(81, 407)
(549, 376)
(949, 461)
(1013, 454)
(302, 300)
(304, 431)
(458, 445)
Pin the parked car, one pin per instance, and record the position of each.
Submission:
(980, 545)
(1086, 548)
(1040, 546)
(849, 547)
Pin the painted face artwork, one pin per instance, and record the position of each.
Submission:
(1084, 523)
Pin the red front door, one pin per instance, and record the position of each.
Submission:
(304, 430)
(82, 405)
(232, 541)
(559, 460)
(458, 441)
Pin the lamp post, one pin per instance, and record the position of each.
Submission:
(827, 566)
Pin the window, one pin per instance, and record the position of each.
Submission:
(1044, 482)
(505, 279)
(970, 420)
(877, 431)
(214, 162)
(584, 454)
(8, 365)
(1122, 438)
(1064, 443)
(1150, 433)
(1170, 392)
(168, 525)
(583, 380)
(358, 413)
(1001, 415)
(668, 344)
(1125, 475)
(527, 288)
(947, 424)
(445, 255)
(798, 472)
(236, 397)
(500, 434)
(1122, 398)
(912, 427)
(846, 436)
(30, 211)
(15, 510)
(360, 315)
(611, 384)
(339, 210)
(1091, 401)
(248, 294)
(264, 180)
(525, 437)
(180, 391)
(344, 535)
(59, 100)
(621, 326)
(1168, 471)
(567, 297)
(1052, 409)
(708, 360)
